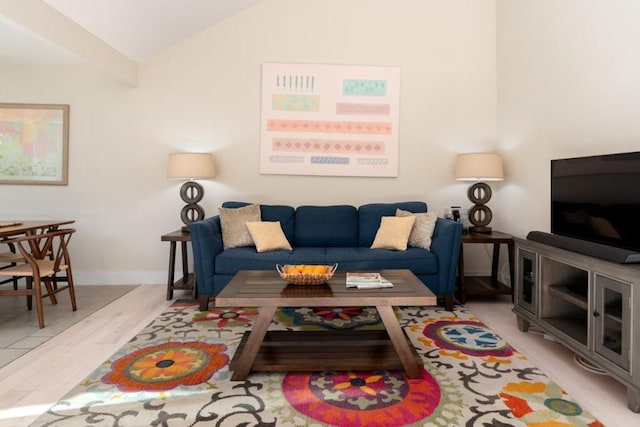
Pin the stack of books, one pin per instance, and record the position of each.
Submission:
(367, 281)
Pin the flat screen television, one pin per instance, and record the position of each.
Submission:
(597, 199)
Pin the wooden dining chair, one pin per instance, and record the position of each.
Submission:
(46, 262)
(10, 259)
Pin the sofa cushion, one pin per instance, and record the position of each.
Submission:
(419, 261)
(422, 230)
(284, 214)
(233, 223)
(393, 233)
(369, 217)
(232, 260)
(321, 226)
(268, 236)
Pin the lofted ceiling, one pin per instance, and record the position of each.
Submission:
(126, 31)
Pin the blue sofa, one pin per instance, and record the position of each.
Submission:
(339, 234)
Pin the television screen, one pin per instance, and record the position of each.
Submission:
(597, 198)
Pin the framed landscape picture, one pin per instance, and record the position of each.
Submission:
(34, 144)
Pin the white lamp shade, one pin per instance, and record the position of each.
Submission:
(191, 166)
(478, 167)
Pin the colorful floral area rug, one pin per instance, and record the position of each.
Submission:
(175, 373)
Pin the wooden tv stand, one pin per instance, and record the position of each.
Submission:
(589, 305)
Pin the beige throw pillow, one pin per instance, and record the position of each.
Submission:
(393, 233)
(233, 223)
(422, 231)
(268, 236)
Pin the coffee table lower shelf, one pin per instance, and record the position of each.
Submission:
(306, 351)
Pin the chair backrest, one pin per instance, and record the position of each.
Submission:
(46, 245)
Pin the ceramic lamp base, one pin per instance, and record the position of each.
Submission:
(191, 193)
(479, 215)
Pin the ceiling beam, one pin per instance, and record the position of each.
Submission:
(44, 21)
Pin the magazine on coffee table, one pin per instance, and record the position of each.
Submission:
(361, 280)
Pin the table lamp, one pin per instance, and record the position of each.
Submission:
(191, 166)
(479, 167)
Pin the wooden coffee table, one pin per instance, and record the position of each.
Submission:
(263, 350)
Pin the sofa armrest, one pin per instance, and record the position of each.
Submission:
(445, 243)
(206, 241)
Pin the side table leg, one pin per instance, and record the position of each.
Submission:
(185, 263)
(187, 278)
(463, 295)
(411, 369)
(511, 247)
(252, 346)
(172, 269)
(495, 263)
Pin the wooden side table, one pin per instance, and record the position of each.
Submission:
(486, 285)
(188, 280)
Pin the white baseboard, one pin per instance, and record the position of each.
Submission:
(122, 278)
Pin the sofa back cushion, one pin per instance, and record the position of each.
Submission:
(370, 215)
(282, 213)
(326, 226)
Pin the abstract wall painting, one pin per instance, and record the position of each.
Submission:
(34, 144)
(331, 120)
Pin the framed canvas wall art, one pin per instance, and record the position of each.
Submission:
(331, 120)
(34, 144)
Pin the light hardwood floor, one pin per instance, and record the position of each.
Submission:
(19, 331)
(30, 384)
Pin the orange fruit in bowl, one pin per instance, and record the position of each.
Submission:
(319, 269)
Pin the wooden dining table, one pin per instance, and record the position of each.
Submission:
(10, 228)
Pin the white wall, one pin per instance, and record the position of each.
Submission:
(204, 95)
(568, 85)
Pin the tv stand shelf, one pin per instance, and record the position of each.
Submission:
(563, 291)
(585, 303)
